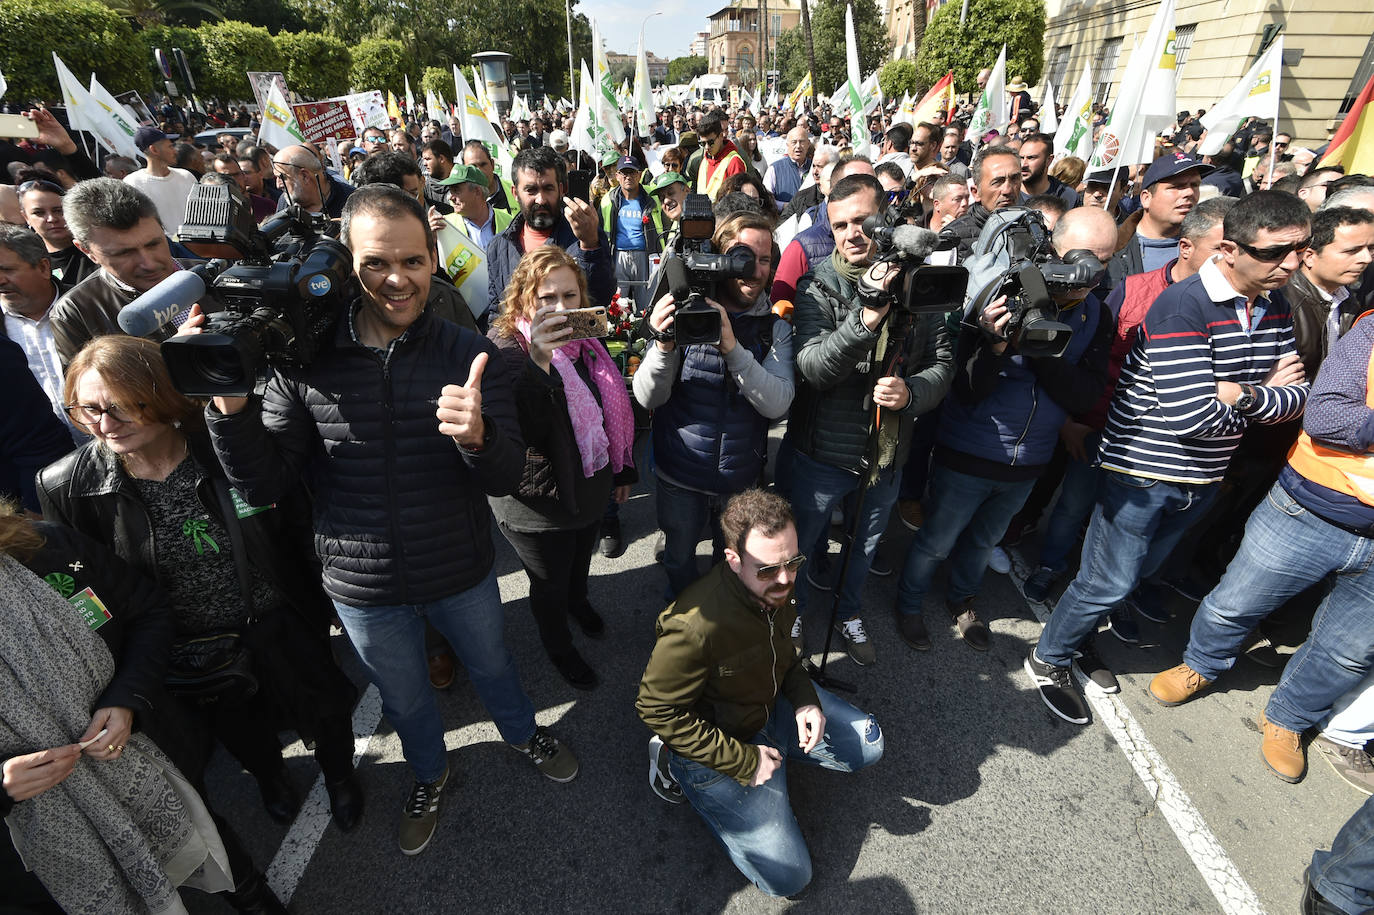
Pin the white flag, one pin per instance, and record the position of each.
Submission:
(606, 109)
(434, 110)
(279, 127)
(410, 98)
(586, 131)
(1075, 134)
(124, 121)
(643, 92)
(84, 112)
(3, 85)
(1145, 105)
(1049, 115)
(772, 99)
(993, 111)
(1256, 95)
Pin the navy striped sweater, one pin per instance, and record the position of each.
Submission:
(1165, 421)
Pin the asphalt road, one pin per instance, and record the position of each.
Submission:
(983, 802)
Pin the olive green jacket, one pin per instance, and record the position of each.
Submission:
(716, 671)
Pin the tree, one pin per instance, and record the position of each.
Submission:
(683, 70)
(827, 31)
(88, 36)
(439, 81)
(156, 12)
(1020, 24)
(379, 63)
(317, 66)
(898, 77)
(625, 70)
(231, 50)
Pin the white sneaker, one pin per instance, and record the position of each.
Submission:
(999, 561)
(798, 645)
(856, 641)
(663, 783)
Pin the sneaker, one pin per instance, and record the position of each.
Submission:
(1352, 764)
(588, 620)
(1259, 649)
(1016, 532)
(660, 779)
(550, 757)
(571, 666)
(1057, 689)
(999, 561)
(837, 516)
(911, 513)
(612, 543)
(971, 629)
(817, 578)
(1094, 669)
(421, 815)
(856, 641)
(1149, 610)
(1123, 625)
(660, 546)
(1177, 685)
(913, 630)
(1188, 585)
(1039, 585)
(1281, 750)
(881, 566)
(798, 643)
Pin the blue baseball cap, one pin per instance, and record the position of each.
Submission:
(1168, 166)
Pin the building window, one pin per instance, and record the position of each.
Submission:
(776, 27)
(1183, 43)
(1104, 69)
(1059, 68)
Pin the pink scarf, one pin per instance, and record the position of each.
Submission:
(604, 434)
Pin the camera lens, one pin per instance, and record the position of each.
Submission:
(218, 365)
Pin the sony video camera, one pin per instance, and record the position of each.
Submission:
(922, 288)
(694, 270)
(280, 296)
(1014, 257)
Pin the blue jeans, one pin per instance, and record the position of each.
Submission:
(1136, 524)
(390, 641)
(1285, 550)
(816, 489)
(755, 824)
(1077, 496)
(682, 516)
(967, 511)
(1345, 874)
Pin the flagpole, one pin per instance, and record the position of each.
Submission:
(1272, 137)
(572, 79)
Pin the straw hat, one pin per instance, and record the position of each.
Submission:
(1017, 84)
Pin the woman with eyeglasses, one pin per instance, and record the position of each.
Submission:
(40, 200)
(252, 648)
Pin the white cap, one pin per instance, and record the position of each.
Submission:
(558, 139)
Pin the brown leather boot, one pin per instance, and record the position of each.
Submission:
(1177, 685)
(1281, 750)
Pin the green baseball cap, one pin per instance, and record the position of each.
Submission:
(664, 180)
(465, 174)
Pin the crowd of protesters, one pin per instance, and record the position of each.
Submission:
(1199, 422)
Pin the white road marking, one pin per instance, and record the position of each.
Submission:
(1220, 873)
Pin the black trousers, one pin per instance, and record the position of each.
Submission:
(556, 563)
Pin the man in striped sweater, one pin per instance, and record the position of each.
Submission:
(1213, 355)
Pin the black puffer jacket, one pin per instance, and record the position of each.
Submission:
(967, 228)
(401, 514)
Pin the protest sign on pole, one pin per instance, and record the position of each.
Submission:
(134, 102)
(262, 81)
(328, 118)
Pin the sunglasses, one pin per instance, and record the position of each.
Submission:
(41, 185)
(768, 573)
(1274, 252)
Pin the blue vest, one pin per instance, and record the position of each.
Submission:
(708, 436)
(817, 240)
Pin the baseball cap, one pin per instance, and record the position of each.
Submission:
(147, 136)
(1104, 176)
(465, 174)
(1171, 165)
(609, 159)
(664, 180)
(627, 163)
(558, 139)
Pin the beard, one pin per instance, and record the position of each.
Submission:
(540, 216)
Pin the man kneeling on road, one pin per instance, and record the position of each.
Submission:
(726, 695)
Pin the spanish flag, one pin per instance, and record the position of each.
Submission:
(938, 103)
(1353, 145)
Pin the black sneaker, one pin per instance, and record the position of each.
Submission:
(1039, 585)
(660, 779)
(612, 544)
(818, 578)
(1189, 585)
(1259, 649)
(1057, 689)
(1093, 669)
(1149, 609)
(1124, 626)
(881, 566)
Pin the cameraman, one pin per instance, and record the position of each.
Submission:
(842, 338)
(712, 404)
(998, 432)
(402, 523)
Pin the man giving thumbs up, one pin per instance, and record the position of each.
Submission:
(402, 525)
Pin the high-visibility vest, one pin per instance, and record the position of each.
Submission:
(711, 186)
(1340, 471)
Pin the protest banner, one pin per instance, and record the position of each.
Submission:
(465, 264)
(261, 81)
(135, 103)
(328, 118)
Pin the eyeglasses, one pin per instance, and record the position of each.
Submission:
(90, 415)
(41, 185)
(768, 573)
(1274, 252)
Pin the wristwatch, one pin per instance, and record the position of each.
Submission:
(1246, 401)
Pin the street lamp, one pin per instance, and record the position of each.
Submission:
(496, 74)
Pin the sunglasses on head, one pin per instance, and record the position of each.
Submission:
(1274, 252)
(42, 185)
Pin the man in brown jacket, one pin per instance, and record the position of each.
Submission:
(725, 694)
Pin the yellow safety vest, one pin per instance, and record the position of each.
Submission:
(711, 186)
(1341, 471)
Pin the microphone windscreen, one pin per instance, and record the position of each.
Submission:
(158, 306)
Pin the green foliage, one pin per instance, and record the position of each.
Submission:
(231, 50)
(156, 12)
(970, 48)
(317, 66)
(167, 37)
(684, 69)
(88, 36)
(625, 70)
(898, 77)
(827, 32)
(438, 80)
(273, 15)
(379, 63)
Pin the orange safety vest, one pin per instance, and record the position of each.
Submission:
(1337, 470)
(711, 186)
